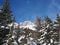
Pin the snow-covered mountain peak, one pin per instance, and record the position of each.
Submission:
(28, 24)
(25, 24)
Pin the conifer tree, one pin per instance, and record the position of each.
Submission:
(5, 19)
(38, 23)
(6, 13)
(39, 30)
(48, 30)
(48, 20)
(17, 34)
(58, 29)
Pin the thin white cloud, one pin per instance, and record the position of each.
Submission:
(54, 6)
(53, 9)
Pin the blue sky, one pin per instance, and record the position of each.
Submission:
(25, 10)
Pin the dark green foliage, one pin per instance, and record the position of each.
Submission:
(48, 20)
(5, 19)
(58, 28)
(6, 16)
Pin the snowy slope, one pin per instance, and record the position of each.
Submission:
(28, 24)
(25, 24)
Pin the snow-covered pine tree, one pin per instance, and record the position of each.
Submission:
(38, 23)
(39, 31)
(5, 19)
(58, 29)
(48, 30)
(6, 13)
(18, 34)
(10, 38)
